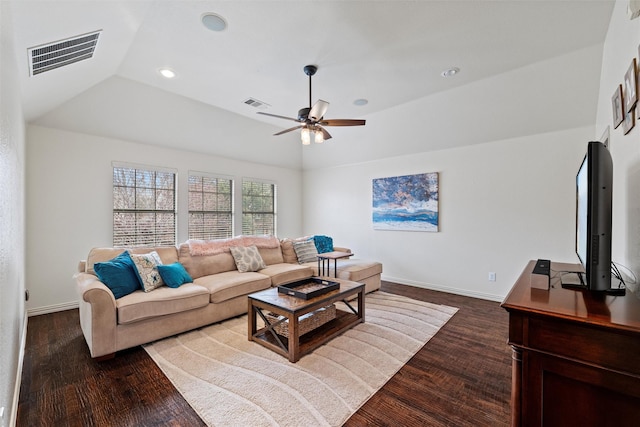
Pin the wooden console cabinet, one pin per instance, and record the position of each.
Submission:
(576, 355)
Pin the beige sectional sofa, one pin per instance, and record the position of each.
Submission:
(218, 292)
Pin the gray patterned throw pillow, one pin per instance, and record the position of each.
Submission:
(305, 251)
(247, 258)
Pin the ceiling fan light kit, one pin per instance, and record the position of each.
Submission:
(312, 119)
(308, 131)
(305, 135)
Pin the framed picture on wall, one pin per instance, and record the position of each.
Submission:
(617, 107)
(406, 203)
(631, 86)
(629, 121)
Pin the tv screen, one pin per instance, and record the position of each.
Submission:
(594, 182)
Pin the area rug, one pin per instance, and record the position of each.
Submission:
(231, 381)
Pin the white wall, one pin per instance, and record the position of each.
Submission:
(620, 48)
(69, 201)
(501, 204)
(12, 225)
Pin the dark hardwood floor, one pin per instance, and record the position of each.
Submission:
(461, 377)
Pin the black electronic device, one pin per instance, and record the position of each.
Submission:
(594, 190)
(541, 274)
(543, 266)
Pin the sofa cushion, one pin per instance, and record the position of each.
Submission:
(199, 266)
(118, 275)
(358, 269)
(230, 284)
(288, 253)
(286, 273)
(247, 258)
(174, 275)
(162, 301)
(168, 255)
(147, 268)
(305, 251)
(271, 255)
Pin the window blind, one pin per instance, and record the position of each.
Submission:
(144, 207)
(210, 207)
(258, 207)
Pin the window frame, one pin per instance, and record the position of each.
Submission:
(160, 232)
(272, 212)
(202, 235)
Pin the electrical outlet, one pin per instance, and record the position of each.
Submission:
(492, 276)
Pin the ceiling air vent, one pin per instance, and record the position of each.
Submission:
(257, 104)
(55, 55)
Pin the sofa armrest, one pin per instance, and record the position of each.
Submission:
(82, 266)
(341, 249)
(98, 314)
(92, 290)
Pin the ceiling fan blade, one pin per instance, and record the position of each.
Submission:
(343, 122)
(288, 130)
(326, 134)
(318, 110)
(277, 116)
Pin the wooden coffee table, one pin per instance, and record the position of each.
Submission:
(292, 308)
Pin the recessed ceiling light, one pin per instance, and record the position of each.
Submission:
(214, 22)
(450, 72)
(167, 73)
(360, 102)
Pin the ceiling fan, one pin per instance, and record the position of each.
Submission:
(312, 119)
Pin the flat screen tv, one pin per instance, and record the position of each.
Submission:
(594, 182)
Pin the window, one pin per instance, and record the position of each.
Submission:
(258, 207)
(144, 207)
(210, 207)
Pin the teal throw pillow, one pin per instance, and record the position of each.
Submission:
(118, 275)
(174, 275)
(323, 244)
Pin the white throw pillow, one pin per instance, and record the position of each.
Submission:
(147, 268)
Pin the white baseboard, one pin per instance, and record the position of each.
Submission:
(13, 419)
(433, 287)
(52, 308)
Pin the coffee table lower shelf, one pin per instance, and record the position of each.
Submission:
(292, 309)
(312, 340)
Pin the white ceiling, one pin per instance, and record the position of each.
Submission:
(388, 52)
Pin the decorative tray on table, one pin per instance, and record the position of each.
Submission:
(308, 288)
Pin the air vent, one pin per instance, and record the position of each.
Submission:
(257, 104)
(55, 55)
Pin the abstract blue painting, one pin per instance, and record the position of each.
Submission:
(408, 203)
